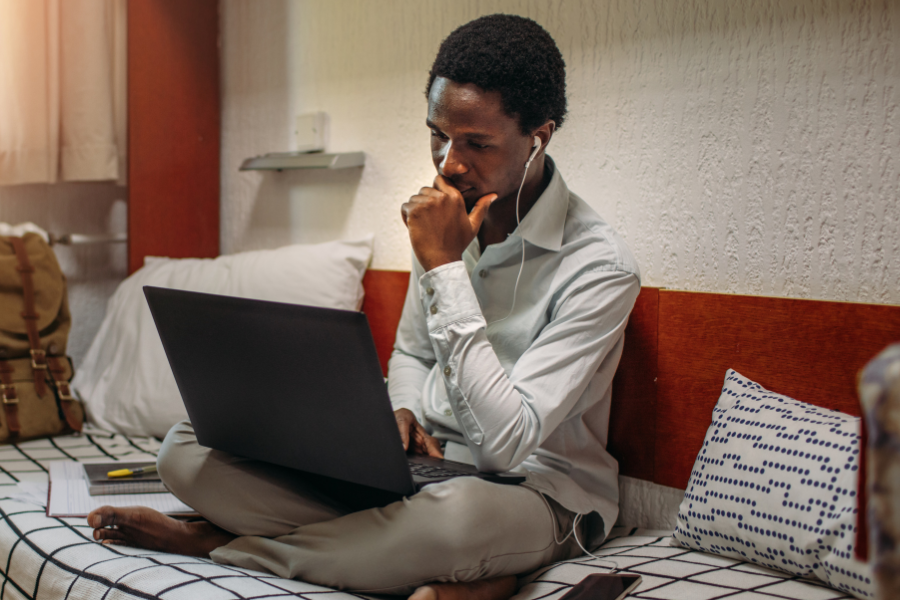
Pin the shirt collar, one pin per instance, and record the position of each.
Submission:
(544, 224)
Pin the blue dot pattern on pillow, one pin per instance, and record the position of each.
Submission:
(775, 484)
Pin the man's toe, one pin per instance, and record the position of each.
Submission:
(108, 534)
(426, 592)
(105, 516)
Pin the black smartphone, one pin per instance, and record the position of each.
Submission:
(603, 586)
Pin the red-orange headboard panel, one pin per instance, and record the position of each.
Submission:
(678, 346)
(809, 350)
(632, 420)
(385, 293)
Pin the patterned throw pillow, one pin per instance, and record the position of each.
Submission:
(775, 484)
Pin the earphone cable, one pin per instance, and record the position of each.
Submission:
(574, 533)
(522, 264)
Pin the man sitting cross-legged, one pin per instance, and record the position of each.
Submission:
(505, 354)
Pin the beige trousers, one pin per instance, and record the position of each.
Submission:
(459, 530)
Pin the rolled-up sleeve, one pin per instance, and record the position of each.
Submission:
(504, 416)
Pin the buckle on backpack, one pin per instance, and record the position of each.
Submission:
(38, 359)
(63, 390)
(8, 393)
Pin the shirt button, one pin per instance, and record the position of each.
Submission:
(448, 413)
(429, 291)
(434, 309)
(447, 371)
(482, 273)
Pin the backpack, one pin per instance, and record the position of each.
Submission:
(35, 372)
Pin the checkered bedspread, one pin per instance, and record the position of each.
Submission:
(674, 573)
(46, 558)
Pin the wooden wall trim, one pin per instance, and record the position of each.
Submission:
(173, 129)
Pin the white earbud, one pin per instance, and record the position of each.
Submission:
(537, 147)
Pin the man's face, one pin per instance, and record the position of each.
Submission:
(474, 143)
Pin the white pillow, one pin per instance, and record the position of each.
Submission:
(125, 380)
(775, 484)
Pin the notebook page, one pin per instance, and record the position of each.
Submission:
(69, 495)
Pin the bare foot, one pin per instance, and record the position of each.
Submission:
(146, 528)
(498, 588)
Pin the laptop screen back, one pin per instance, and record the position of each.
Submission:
(293, 385)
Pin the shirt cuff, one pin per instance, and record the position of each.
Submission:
(447, 295)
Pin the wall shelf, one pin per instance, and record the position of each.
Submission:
(279, 161)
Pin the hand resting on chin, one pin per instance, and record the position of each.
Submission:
(439, 228)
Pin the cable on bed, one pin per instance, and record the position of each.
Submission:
(574, 533)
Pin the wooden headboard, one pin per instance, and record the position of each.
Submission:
(678, 346)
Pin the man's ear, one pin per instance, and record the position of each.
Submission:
(545, 132)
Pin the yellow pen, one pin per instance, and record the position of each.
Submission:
(130, 472)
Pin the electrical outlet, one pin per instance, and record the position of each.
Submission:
(311, 132)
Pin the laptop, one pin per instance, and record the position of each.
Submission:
(297, 386)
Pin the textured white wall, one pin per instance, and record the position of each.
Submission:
(739, 147)
(94, 271)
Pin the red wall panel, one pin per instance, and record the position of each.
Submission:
(383, 305)
(173, 129)
(807, 349)
(632, 416)
(678, 346)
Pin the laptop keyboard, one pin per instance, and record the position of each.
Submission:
(432, 472)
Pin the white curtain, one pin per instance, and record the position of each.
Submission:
(62, 91)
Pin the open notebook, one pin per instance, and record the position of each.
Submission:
(69, 497)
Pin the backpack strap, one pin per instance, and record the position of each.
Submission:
(9, 398)
(64, 393)
(38, 356)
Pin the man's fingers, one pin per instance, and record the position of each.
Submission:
(423, 196)
(408, 207)
(443, 185)
(403, 426)
(423, 443)
(430, 192)
(415, 442)
(479, 212)
(403, 210)
(417, 433)
(433, 447)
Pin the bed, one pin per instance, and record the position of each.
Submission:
(51, 558)
(679, 344)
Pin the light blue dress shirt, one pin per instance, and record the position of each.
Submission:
(529, 392)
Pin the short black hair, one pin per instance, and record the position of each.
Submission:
(511, 55)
